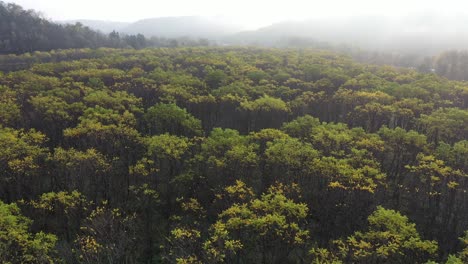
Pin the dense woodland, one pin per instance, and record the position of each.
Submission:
(230, 155)
(27, 31)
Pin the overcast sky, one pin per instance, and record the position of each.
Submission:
(250, 13)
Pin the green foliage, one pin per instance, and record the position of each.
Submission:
(9, 109)
(266, 104)
(301, 127)
(448, 125)
(20, 159)
(215, 79)
(168, 146)
(291, 153)
(118, 101)
(312, 72)
(106, 236)
(390, 238)
(221, 143)
(55, 109)
(105, 130)
(257, 76)
(239, 89)
(456, 156)
(67, 201)
(431, 169)
(17, 244)
(20, 150)
(170, 118)
(28, 31)
(463, 255)
(217, 154)
(272, 224)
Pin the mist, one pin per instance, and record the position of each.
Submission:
(222, 131)
(249, 14)
(409, 27)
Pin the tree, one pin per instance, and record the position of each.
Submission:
(169, 118)
(84, 171)
(390, 238)
(182, 143)
(462, 256)
(20, 162)
(160, 166)
(289, 160)
(119, 101)
(262, 111)
(52, 114)
(216, 78)
(17, 244)
(267, 229)
(435, 186)
(448, 125)
(455, 156)
(110, 132)
(9, 108)
(401, 147)
(224, 157)
(60, 213)
(301, 127)
(107, 236)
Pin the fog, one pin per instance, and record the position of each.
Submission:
(421, 27)
(251, 14)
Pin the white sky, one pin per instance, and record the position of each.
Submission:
(250, 13)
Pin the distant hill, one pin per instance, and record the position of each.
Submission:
(100, 25)
(169, 27)
(27, 31)
(188, 26)
(420, 35)
(416, 34)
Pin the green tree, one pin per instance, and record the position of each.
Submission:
(265, 112)
(446, 124)
(216, 78)
(9, 108)
(267, 229)
(21, 161)
(169, 118)
(161, 166)
(461, 256)
(455, 156)
(390, 238)
(224, 157)
(107, 236)
(84, 171)
(60, 213)
(17, 244)
(301, 127)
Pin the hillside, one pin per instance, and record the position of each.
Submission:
(169, 27)
(100, 25)
(24, 31)
(190, 26)
(417, 34)
(286, 144)
(224, 155)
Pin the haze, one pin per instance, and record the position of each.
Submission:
(247, 13)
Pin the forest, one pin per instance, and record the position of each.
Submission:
(229, 155)
(24, 31)
(27, 31)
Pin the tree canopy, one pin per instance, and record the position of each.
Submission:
(232, 154)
